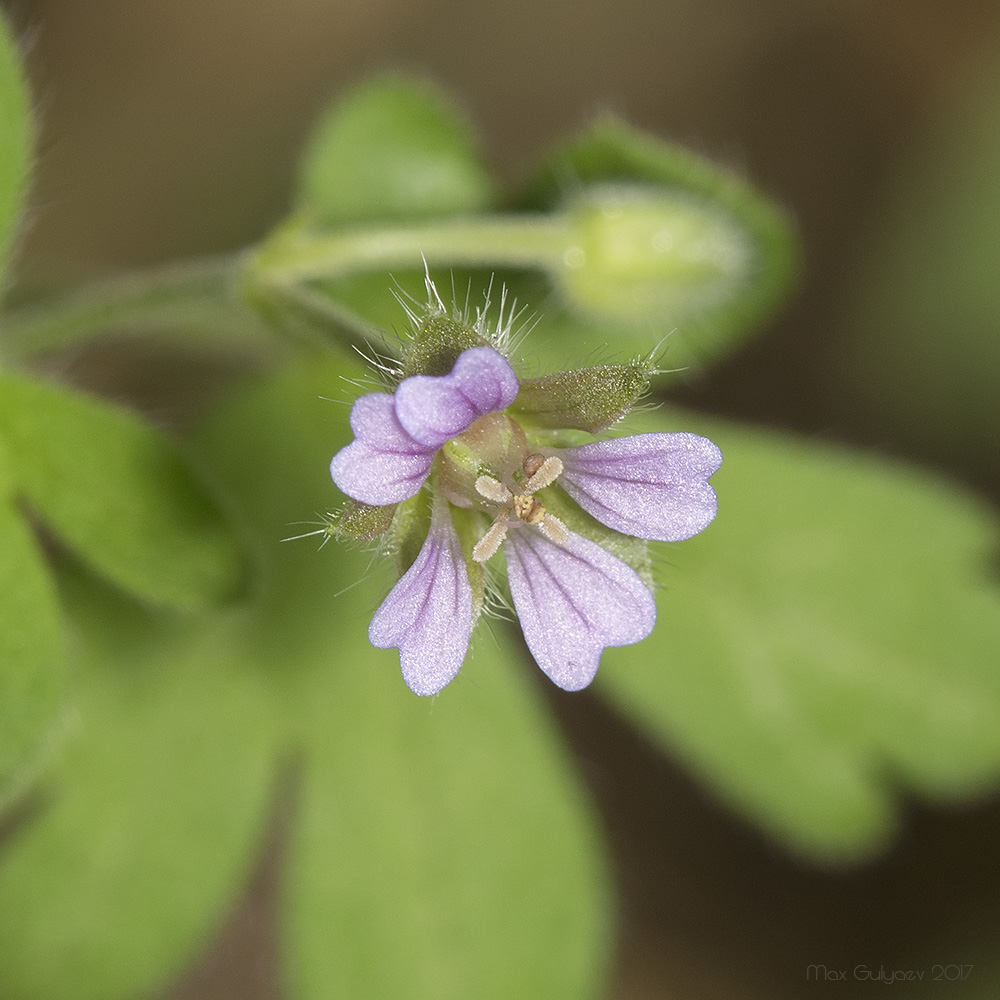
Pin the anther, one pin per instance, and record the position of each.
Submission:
(545, 475)
(541, 472)
(487, 545)
(532, 464)
(493, 490)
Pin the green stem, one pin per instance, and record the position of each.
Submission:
(518, 241)
(164, 298)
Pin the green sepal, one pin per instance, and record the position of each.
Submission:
(634, 202)
(469, 526)
(362, 522)
(587, 399)
(394, 148)
(409, 529)
(437, 341)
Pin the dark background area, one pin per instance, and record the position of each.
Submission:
(171, 129)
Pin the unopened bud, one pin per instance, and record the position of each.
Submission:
(643, 254)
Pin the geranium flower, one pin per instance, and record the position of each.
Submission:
(459, 436)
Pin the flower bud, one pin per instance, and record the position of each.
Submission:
(642, 253)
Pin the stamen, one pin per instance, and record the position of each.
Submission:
(541, 472)
(493, 490)
(532, 464)
(487, 546)
(553, 529)
(545, 475)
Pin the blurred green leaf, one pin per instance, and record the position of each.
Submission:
(394, 148)
(148, 829)
(15, 140)
(444, 851)
(683, 243)
(31, 648)
(833, 635)
(118, 493)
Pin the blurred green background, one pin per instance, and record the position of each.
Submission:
(172, 129)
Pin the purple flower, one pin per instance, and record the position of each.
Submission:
(573, 598)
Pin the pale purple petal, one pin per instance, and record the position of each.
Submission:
(649, 485)
(383, 464)
(428, 614)
(573, 600)
(435, 408)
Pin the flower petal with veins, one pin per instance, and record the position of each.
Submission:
(434, 408)
(573, 600)
(383, 464)
(428, 614)
(649, 485)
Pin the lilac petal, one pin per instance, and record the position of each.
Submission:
(435, 408)
(383, 464)
(573, 600)
(649, 485)
(428, 614)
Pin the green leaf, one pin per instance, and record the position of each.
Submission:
(667, 239)
(830, 638)
(15, 140)
(31, 650)
(117, 492)
(394, 148)
(443, 850)
(148, 829)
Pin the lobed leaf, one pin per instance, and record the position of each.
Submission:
(828, 642)
(147, 829)
(443, 848)
(119, 493)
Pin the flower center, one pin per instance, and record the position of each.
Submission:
(522, 506)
